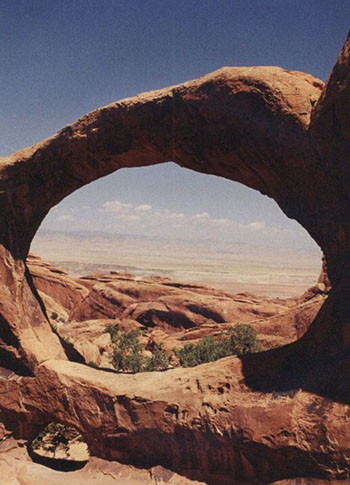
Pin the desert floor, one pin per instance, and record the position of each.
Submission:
(230, 267)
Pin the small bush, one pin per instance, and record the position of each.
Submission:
(236, 341)
(243, 339)
(55, 436)
(128, 353)
(54, 315)
(113, 330)
(159, 360)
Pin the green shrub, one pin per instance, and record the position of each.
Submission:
(236, 341)
(243, 339)
(128, 353)
(159, 360)
(113, 330)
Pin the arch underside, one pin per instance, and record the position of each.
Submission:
(251, 125)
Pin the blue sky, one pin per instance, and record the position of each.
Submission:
(61, 59)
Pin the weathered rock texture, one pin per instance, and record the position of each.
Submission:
(55, 283)
(168, 312)
(16, 468)
(251, 125)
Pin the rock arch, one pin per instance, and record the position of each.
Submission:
(280, 132)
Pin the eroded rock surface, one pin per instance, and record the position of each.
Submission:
(54, 283)
(16, 468)
(167, 312)
(263, 417)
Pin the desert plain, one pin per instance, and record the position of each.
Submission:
(231, 267)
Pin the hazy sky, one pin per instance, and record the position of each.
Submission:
(61, 59)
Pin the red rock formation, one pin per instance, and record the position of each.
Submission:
(16, 468)
(169, 304)
(55, 283)
(246, 124)
(170, 312)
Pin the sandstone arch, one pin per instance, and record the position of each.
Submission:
(251, 125)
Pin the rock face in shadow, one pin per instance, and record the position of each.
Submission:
(16, 468)
(287, 409)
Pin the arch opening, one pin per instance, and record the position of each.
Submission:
(200, 230)
(184, 214)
